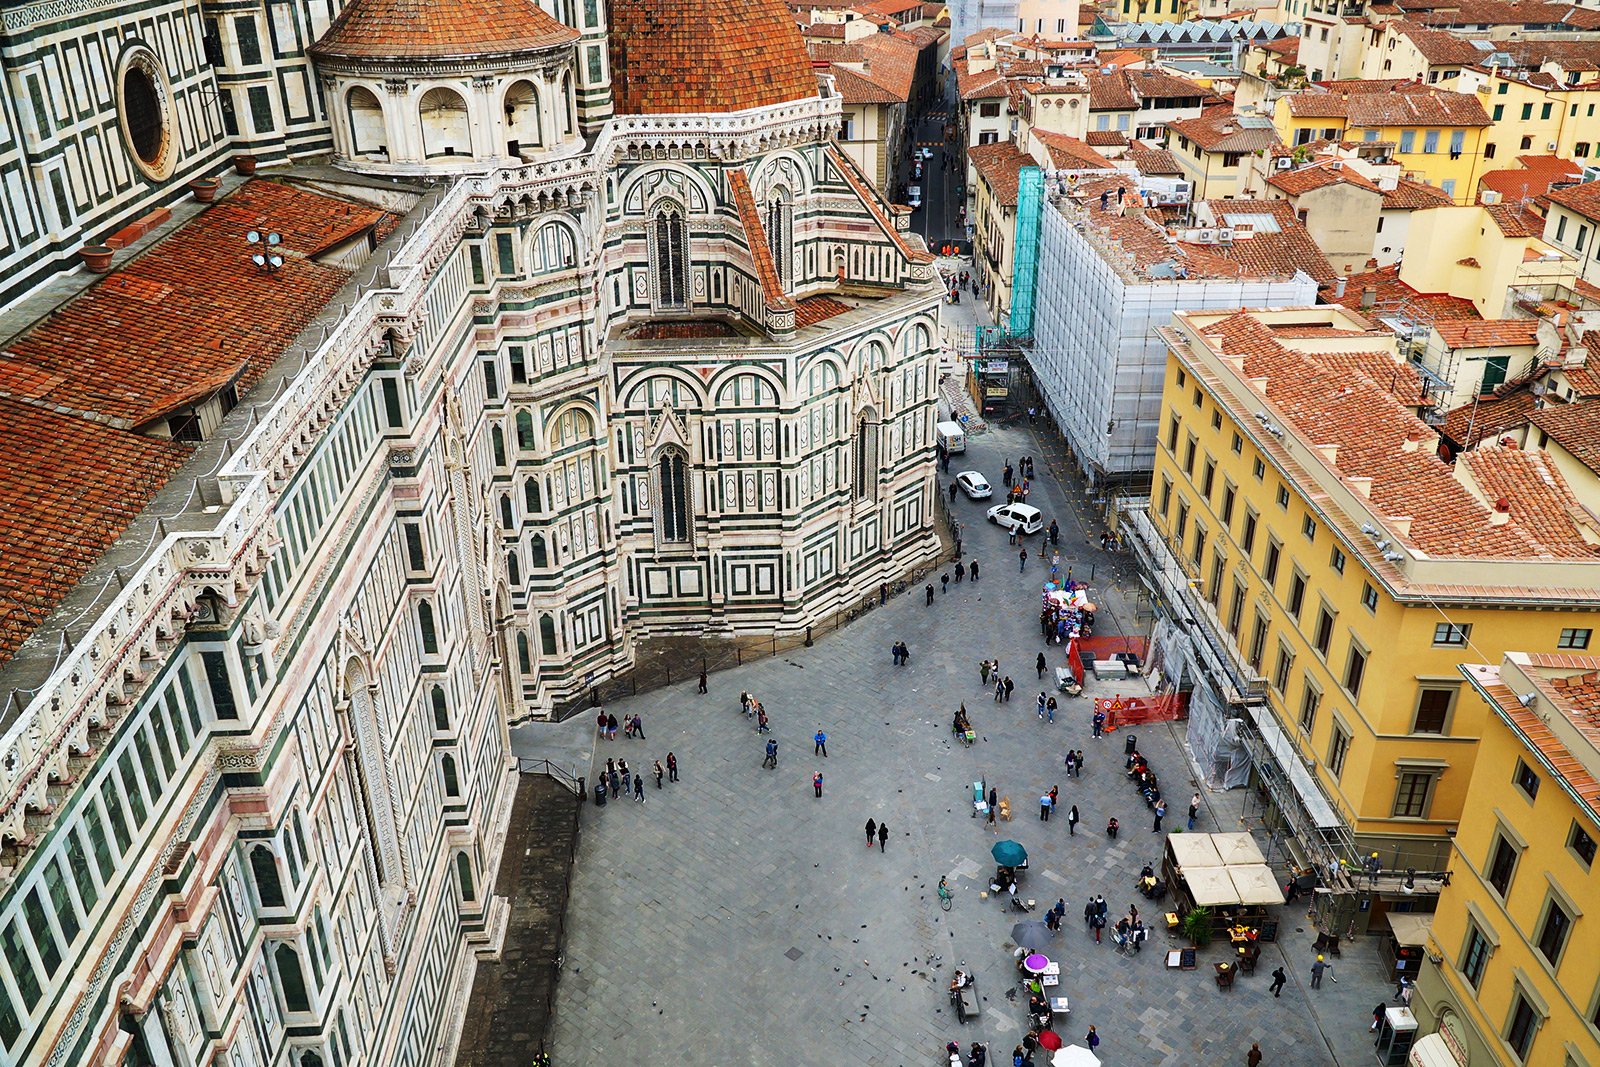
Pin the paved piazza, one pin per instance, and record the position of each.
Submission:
(735, 919)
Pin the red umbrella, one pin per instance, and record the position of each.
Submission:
(1049, 1039)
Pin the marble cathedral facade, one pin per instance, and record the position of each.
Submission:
(648, 357)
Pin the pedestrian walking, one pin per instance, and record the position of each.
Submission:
(1010, 685)
(672, 767)
(1072, 821)
(638, 790)
(1091, 1039)
(1080, 762)
(883, 836)
(1011, 536)
(616, 785)
(1317, 970)
(1039, 664)
(952, 488)
(994, 796)
(660, 773)
(983, 671)
(1072, 763)
(999, 690)
(944, 583)
(961, 572)
(1111, 828)
(1194, 810)
(1022, 561)
(929, 591)
(1279, 980)
(1088, 914)
(702, 679)
(1044, 808)
(771, 760)
(1377, 1016)
(883, 594)
(1253, 1057)
(1098, 723)
(1040, 704)
(972, 569)
(638, 727)
(600, 724)
(816, 783)
(763, 724)
(623, 767)
(1050, 710)
(820, 743)
(611, 727)
(872, 831)
(1161, 813)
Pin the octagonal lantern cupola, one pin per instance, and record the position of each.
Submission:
(448, 86)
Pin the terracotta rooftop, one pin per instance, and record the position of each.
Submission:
(1438, 47)
(1410, 195)
(814, 309)
(1483, 417)
(1416, 109)
(1532, 179)
(1376, 436)
(1528, 14)
(1106, 139)
(755, 237)
(1218, 129)
(1489, 333)
(1530, 488)
(1153, 162)
(1390, 293)
(1268, 255)
(890, 60)
(72, 486)
(1577, 699)
(1000, 165)
(702, 57)
(189, 316)
(984, 85)
(1584, 199)
(1576, 428)
(434, 29)
(854, 88)
(1515, 220)
(1069, 153)
(1318, 176)
(870, 199)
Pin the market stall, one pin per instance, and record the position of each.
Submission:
(1225, 873)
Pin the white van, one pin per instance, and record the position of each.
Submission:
(952, 437)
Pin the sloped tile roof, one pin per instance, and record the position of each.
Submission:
(190, 315)
(72, 486)
(1536, 495)
(1490, 416)
(1376, 436)
(1489, 333)
(755, 238)
(855, 89)
(1153, 162)
(1579, 706)
(701, 57)
(847, 169)
(1532, 179)
(1069, 153)
(1515, 221)
(1110, 92)
(1438, 47)
(1105, 138)
(1416, 109)
(1410, 195)
(1584, 199)
(434, 29)
(1000, 165)
(1389, 293)
(1278, 254)
(984, 85)
(1217, 129)
(1318, 176)
(890, 61)
(815, 309)
(1576, 428)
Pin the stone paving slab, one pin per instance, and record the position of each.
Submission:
(734, 918)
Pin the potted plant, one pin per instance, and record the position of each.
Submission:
(1196, 926)
(96, 258)
(205, 189)
(245, 164)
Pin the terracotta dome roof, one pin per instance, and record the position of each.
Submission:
(410, 29)
(705, 56)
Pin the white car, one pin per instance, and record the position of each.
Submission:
(927, 153)
(972, 483)
(914, 196)
(1023, 518)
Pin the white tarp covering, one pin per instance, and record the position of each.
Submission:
(1409, 928)
(1305, 786)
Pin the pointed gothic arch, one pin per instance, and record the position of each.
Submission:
(669, 255)
(673, 494)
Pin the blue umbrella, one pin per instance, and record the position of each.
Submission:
(1008, 853)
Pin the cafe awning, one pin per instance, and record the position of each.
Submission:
(1410, 928)
(1210, 886)
(1237, 849)
(1193, 850)
(1255, 883)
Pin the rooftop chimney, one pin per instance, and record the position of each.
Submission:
(1369, 297)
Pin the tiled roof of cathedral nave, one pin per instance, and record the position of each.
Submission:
(706, 57)
(437, 29)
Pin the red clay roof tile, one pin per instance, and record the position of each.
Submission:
(379, 29)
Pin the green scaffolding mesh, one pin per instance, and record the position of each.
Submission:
(1025, 260)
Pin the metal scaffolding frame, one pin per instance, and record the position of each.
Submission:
(1025, 255)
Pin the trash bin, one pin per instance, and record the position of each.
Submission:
(1130, 744)
(599, 795)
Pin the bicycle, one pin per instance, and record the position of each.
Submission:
(945, 899)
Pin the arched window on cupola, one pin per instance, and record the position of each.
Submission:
(524, 124)
(445, 124)
(780, 235)
(669, 257)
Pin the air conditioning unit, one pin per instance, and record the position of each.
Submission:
(1225, 235)
(1550, 146)
(1205, 237)
(1285, 162)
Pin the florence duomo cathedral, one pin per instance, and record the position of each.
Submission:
(449, 352)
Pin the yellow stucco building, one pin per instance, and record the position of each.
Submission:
(1323, 572)
(1437, 136)
(1513, 972)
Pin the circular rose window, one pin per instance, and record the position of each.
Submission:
(144, 107)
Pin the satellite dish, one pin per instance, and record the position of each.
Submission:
(253, 237)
